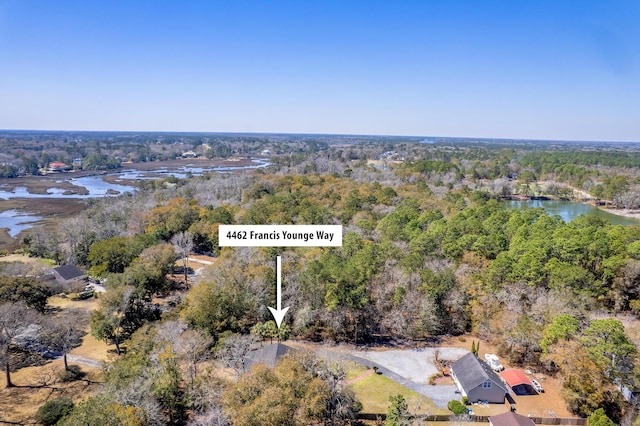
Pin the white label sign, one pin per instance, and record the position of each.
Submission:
(280, 236)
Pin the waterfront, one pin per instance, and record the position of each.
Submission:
(569, 210)
(70, 185)
(16, 221)
(28, 200)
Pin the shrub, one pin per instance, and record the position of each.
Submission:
(73, 373)
(457, 407)
(433, 378)
(54, 410)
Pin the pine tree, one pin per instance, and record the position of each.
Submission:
(398, 411)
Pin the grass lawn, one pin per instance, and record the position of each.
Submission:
(374, 392)
(356, 370)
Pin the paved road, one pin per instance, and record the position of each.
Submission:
(204, 262)
(77, 359)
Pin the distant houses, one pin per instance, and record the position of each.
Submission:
(58, 166)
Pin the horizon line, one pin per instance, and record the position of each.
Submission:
(480, 138)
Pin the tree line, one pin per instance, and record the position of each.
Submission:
(420, 259)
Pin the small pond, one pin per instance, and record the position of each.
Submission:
(568, 210)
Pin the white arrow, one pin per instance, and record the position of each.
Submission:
(279, 313)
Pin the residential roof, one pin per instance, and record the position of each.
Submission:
(68, 272)
(471, 372)
(268, 355)
(515, 377)
(57, 164)
(510, 419)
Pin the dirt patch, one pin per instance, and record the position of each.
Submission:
(14, 264)
(200, 258)
(444, 381)
(37, 385)
(34, 262)
(92, 348)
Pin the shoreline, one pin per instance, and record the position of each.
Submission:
(627, 213)
(630, 213)
(580, 196)
(41, 184)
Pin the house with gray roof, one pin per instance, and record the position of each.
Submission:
(477, 381)
(67, 273)
(269, 355)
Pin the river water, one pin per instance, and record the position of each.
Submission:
(16, 221)
(97, 187)
(568, 210)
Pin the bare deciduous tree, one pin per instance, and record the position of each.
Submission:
(214, 416)
(14, 318)
(183, 244)
(233, 351)
(64, 332)
(192, 346)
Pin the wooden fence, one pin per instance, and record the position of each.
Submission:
(480, 419)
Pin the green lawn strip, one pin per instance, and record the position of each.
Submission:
(374, 392)
(356, 371)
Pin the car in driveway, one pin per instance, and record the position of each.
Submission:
(537, 386)
(493, 362)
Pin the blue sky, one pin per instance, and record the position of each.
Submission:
(505, 69)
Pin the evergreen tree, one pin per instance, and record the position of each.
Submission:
(398, 411)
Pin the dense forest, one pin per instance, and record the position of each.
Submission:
(428, 250)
